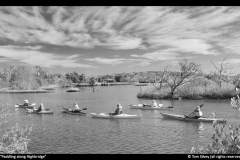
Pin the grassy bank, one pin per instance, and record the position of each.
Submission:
(24, 91)
(202, 89)
(73, 90)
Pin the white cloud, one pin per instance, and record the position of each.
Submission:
(194, 30)
(22, 47)
(113, 61)
(116, 61)
(73, 56)
(120, 43)
(158, 56)
(195, 46)
(232, 61)
(40, 58)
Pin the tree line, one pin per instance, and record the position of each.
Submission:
(25, 77)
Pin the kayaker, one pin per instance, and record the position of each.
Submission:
(154, 103)
(197, 113)
(117, 111)
(76, 108)
(237, 89)
(26, 103)
(40, 108)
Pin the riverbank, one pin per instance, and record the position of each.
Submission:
(191, 91)
(24, 91)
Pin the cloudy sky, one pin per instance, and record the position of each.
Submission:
(114, 39)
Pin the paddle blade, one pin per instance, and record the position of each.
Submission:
(201, 105)
(16, 105)
(84, 109)
(33, 104)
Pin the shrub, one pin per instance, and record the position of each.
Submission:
(225, 140)
(16, 139)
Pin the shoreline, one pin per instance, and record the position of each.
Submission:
(24, 91)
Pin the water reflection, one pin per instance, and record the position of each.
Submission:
(193, 132)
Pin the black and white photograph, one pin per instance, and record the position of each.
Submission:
(119, 80)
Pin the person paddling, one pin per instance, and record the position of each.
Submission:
(154, 103)
(26, 103)
(40, 108)
(117, 111)
(197, 113)
(76, 108)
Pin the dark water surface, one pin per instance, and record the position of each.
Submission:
(72, 134)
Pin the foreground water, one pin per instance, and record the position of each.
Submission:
(72, 134)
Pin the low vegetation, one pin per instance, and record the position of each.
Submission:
(14, 140)
(226, 137)
(225, 140)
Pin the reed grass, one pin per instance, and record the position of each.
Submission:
(200, 89)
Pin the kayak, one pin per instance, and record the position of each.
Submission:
(41, 112)
(202, 119)
(31, 106)
(74, 113)
(140, 106)
(120, 116)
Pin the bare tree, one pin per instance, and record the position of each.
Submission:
(163, 78)
(222, 71)
(185, 72)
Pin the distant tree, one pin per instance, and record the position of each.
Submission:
(223, 71)
(118, 78)
(162, 78)
(8, 71)
(74, 77)
(92, 81)
(183, 73)
(82, 78)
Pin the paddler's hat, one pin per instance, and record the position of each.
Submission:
(75, 104)
(26, 101)
(119, 105)
(197, 108)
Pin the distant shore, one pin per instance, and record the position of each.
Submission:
(25, 91)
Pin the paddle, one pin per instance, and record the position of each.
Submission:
(191, 113)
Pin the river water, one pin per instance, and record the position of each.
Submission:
(71, 134)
